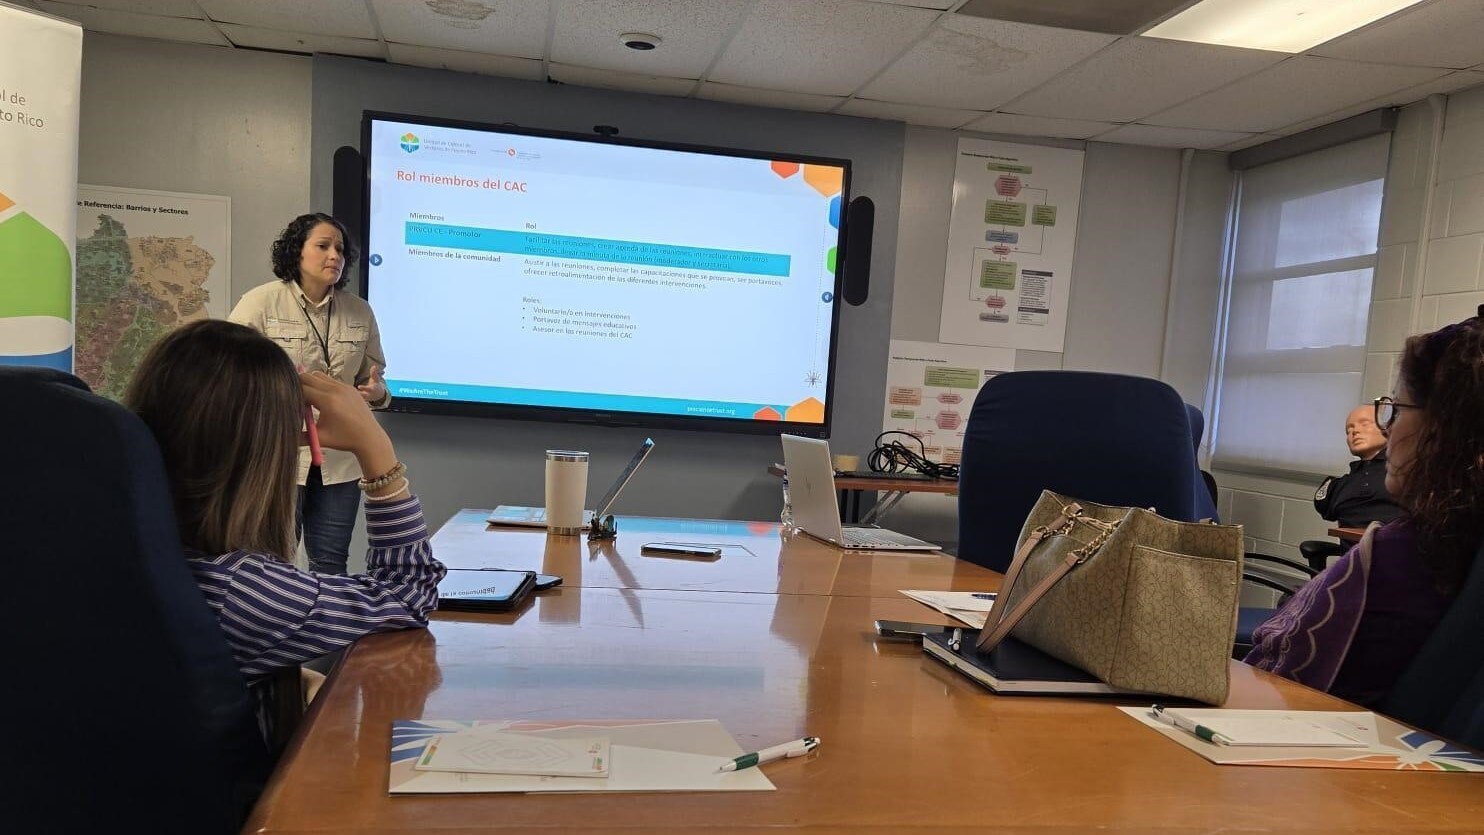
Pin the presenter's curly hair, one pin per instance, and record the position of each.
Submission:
(290, 244)
(1443, 488)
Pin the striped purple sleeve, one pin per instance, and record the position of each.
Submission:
(276, 615)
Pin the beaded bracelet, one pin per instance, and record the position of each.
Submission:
(396, 472)
(398, 488)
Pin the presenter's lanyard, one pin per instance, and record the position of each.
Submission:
(323, 338)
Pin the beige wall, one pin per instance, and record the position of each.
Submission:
(205, 120)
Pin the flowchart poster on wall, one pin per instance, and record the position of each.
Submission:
(40, 76)
(930, 388)
(1010, 245)
(146, 262)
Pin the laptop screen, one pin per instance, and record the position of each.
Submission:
(623, 477)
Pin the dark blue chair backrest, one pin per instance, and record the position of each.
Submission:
(1443, 690)
(1105, 438)
(121, 690)
(1197, 428)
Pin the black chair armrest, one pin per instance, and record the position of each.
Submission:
(1307, 570)
(1318, 552)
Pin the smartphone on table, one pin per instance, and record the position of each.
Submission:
(680, 549)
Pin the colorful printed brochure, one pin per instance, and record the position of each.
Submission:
(483, 750)
(643, 756)
(1388, 744)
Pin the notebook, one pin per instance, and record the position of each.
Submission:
(480, 751)
(535, 517)
(1015, 668)
(811, 487)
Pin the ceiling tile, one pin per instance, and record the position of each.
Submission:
(1038, 126)
(137, 25)
(1163, 137)
(346, 18)
(1139, 76)
(1116, 17)
(978, 64)
(461, 61)
(501, 27)
(829, 47)
(921, 4)
(767, 98)
(251, 36)
(1301, 87)
(933, 117)
(169, 8)
(610, 80)
(692, 33)
(1449, 33)
(1450, 83)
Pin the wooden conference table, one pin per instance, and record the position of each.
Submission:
(774, 639)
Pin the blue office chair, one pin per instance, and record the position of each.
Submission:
(125, 709)
(1197, 423)
(1443, 690)
(1106, 438)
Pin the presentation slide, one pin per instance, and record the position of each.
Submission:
(537, 271)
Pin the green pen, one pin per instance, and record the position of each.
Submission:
(1170, 717)
(797, 748)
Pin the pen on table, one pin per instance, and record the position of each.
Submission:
(1170, 717)
(797, 748)
(980, 595)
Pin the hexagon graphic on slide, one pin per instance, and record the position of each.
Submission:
(808, 410)
(825, 179)
(1007, 185)
(950, 398)
(948, 420)
(835, 211)
(767, 413)
(785, 169)
(995, 302)
(36, 311)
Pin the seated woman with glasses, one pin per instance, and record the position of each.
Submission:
(1352, 630)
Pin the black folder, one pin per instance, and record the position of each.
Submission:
(1015, 668)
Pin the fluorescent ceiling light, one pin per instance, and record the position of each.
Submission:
(1276, 25)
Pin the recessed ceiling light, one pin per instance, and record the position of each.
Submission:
(1276, 25)
(641, 41)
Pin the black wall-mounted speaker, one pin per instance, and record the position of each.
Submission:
(350, 183)
(860, 223)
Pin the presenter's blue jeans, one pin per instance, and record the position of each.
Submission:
(325, 517)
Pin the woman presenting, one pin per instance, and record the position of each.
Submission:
(322, 327)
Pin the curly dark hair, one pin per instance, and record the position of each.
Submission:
(1443, 488)
(287, 249)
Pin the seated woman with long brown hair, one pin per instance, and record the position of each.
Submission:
(226, 407)
(1353, 630)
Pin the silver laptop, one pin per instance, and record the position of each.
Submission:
(535, 517)
(811, 489)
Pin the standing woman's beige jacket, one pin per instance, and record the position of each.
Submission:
(281, 311)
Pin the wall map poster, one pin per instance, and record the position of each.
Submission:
(146, 262)
(1010, 245)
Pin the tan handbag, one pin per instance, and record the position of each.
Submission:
(1142, 602)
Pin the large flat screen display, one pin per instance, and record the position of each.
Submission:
(534, 274)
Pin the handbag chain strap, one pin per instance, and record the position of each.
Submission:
(1008, 618)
